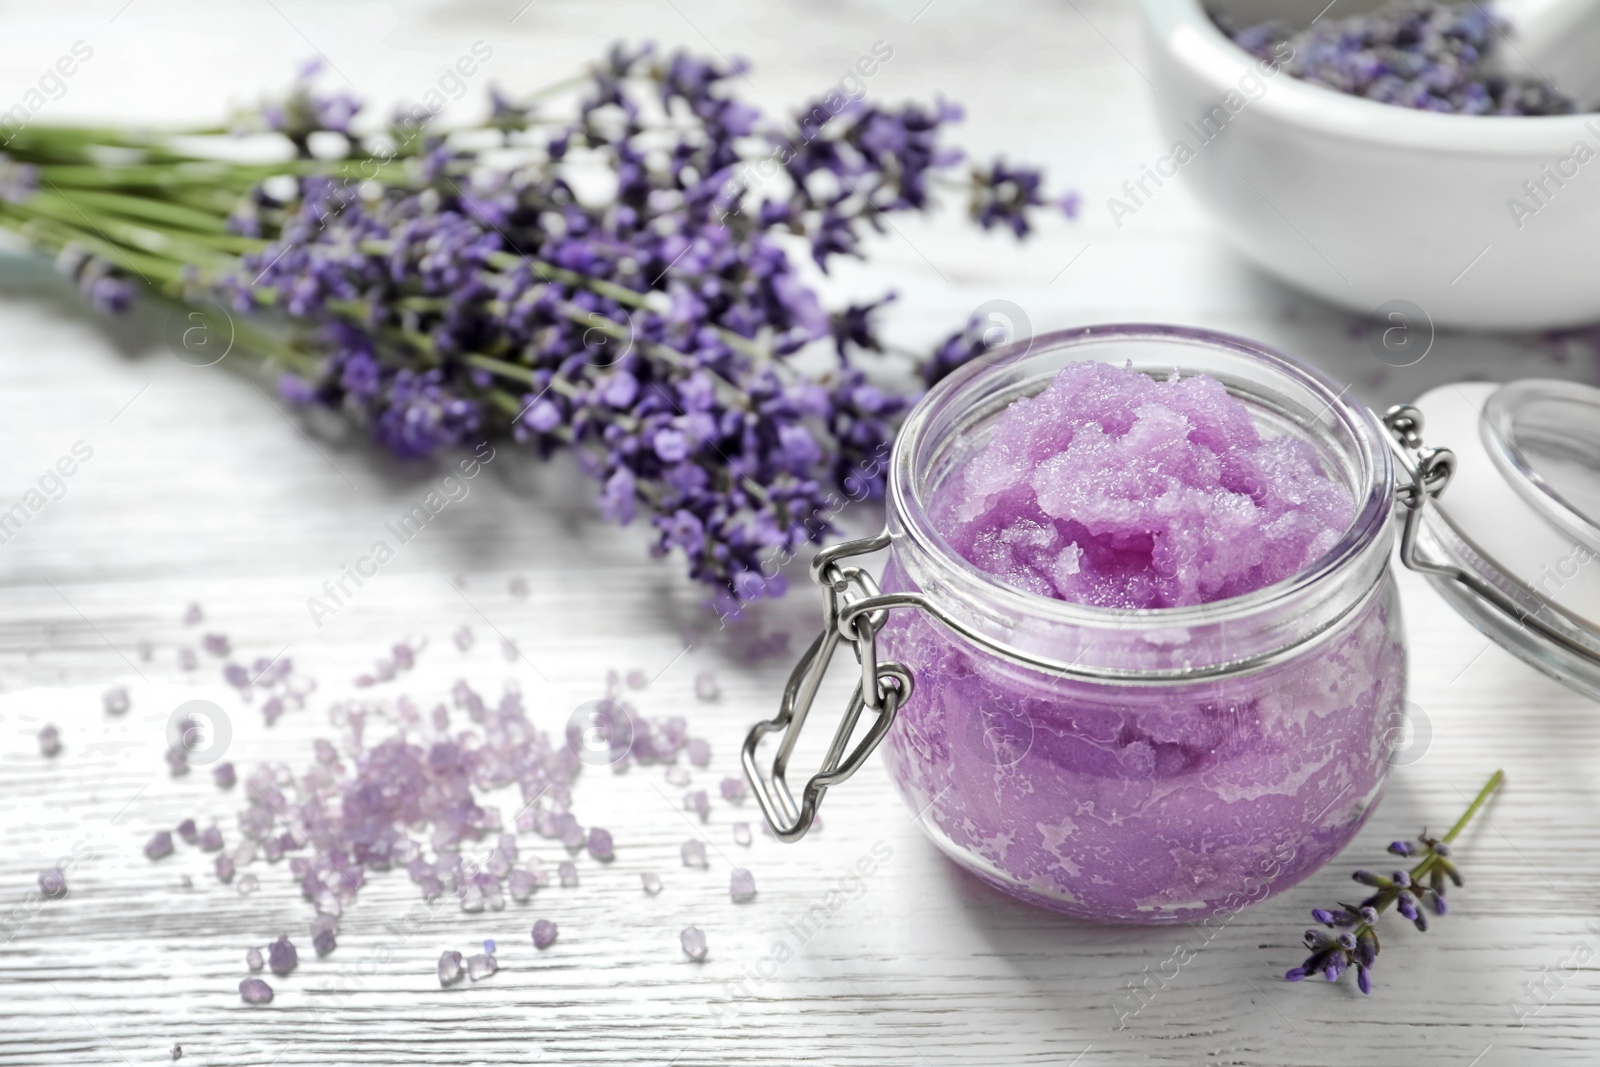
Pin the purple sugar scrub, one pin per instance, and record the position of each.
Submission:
(1190, 640)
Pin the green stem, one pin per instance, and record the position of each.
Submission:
(1477, 802)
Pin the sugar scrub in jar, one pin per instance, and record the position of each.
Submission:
(1139, 606)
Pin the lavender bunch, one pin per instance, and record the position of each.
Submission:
(1427, 56)
(439, 288)
(1354, 940)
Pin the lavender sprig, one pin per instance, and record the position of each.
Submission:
(1355, 944)
(438, 288)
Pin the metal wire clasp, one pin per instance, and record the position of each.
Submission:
(1429, 471)
(850, 613)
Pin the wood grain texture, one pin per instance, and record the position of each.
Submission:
(203, 488)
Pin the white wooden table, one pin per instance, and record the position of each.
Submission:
(201, 488)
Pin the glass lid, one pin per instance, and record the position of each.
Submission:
(1514, 542)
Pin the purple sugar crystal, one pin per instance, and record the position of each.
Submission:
(186, 830)
(699, 752)
(224, 868)
(209, 839)
(698, 803)
(225, 775)
(160, 844)
(734, 789)
(521, 884)
(52, 882)
(488, 945)
(693, 940)
(463, 637)
(544, 933)
(281, 955)
(255, 991)
(693, 853)
(705, 685)
(236, 676)
(248, 883)
(450, 969)
(741, 834)
(481, 966)
(192, 614)
(651, 883)
(216, 644)
(742, 886)
(323, 941)
(600, 846)
(187, 660)
(567, 871)
(637, 679)
(253, 960)
(49, 742)
(677, 775)
(177, 764)
(115, 700)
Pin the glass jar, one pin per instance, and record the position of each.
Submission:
(1126, 766)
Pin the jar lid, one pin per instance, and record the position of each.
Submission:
(1514, 545)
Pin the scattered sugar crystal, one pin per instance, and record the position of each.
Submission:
(677, 775)
(652, 884)
(216, 644)
(326, 754)
(255, 991)
(49, 742)
(481, 966)
(544, 933)
(253, 960)
(693, 853)
(186, 830)
(573, 837)
(463, 637)
(734, 789)
(450, 970)
(600, 845)
(177, 764)
(52, 882)
(705, 685)
(693, 940)
(115, 700)
(405, 656)
(186, 882)
(518, 586)
(236, 676)
(508, 845)
(741, 834)
(568, 872)
(160, 844)
(472, 899)
(224, 868)
(224, 775)
(699, 751)
(323, 941)
(192, 614)
(248, 883)
(488, 945)
(698, 803)
(637, 679)
(187, 660)
(209, 839)
(742, 886)
(281, 955)
(177, 1052)
(521, 883)
(272, 709)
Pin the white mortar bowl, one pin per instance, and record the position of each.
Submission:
(1365, 204)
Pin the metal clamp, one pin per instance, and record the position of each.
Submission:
(883, 688)
(1429, 471)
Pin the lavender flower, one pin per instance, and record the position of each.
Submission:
(1350, 940)
(1427, 56)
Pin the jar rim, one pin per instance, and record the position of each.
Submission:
(1375, 489)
